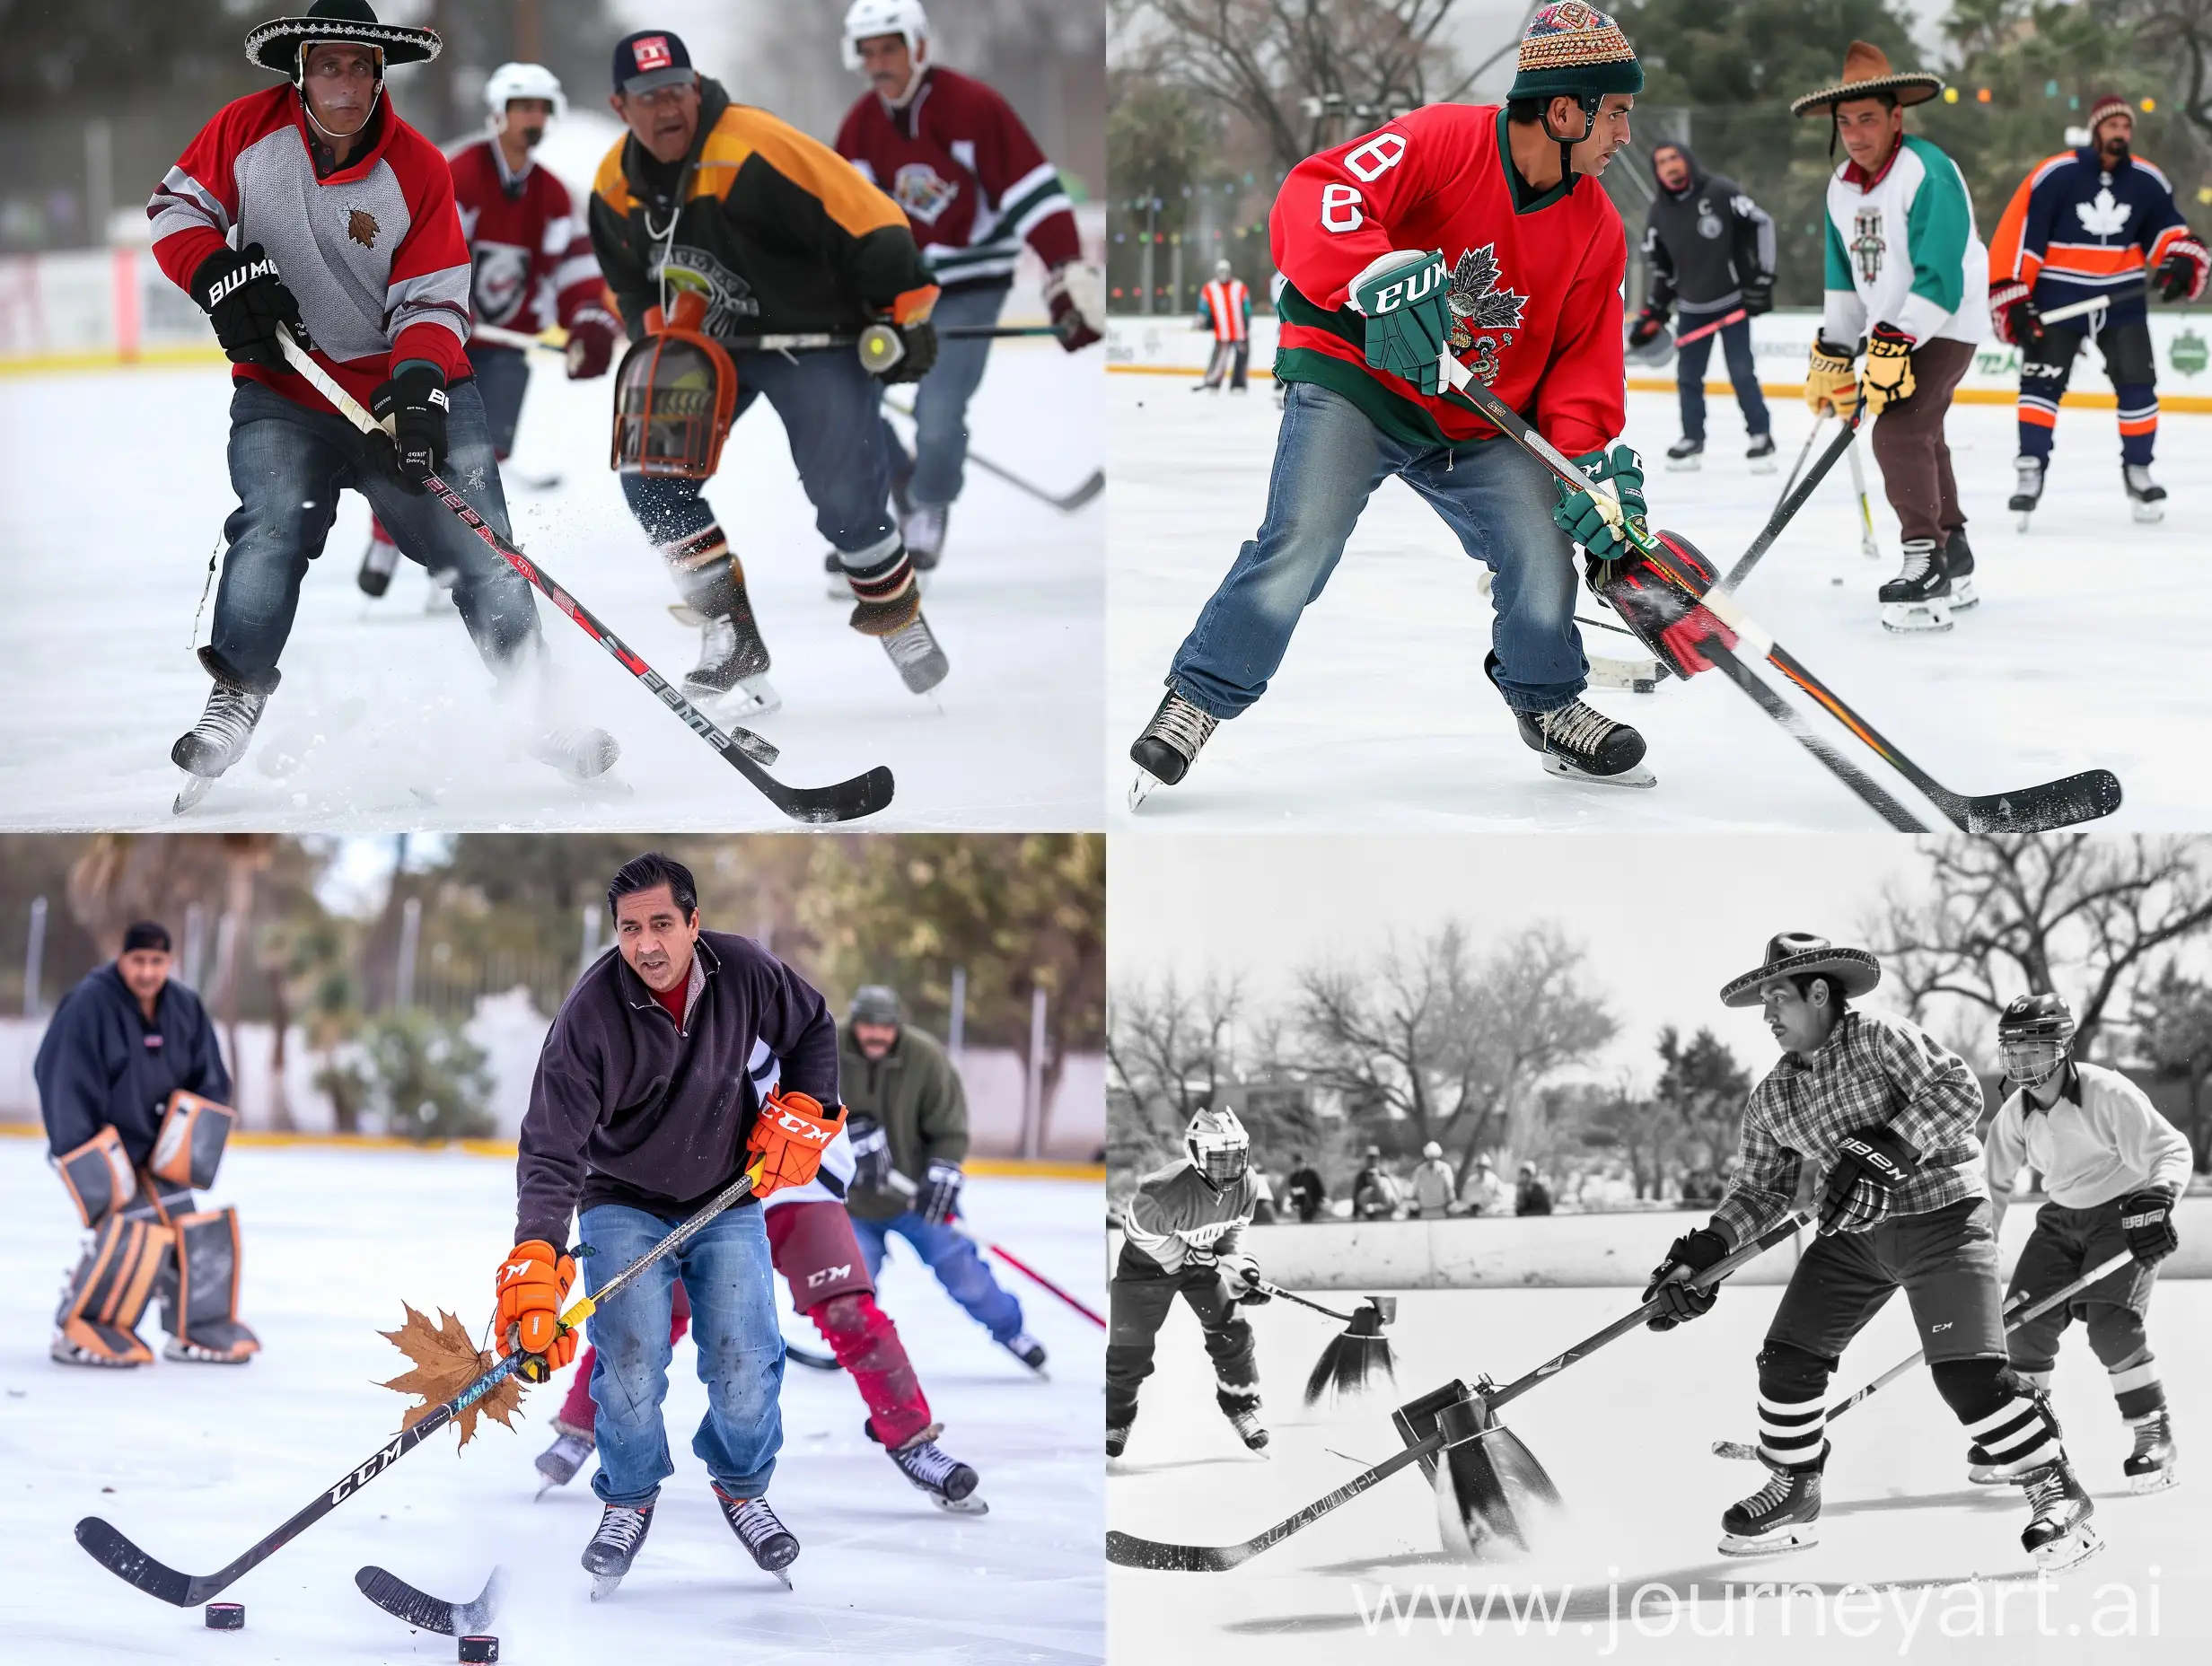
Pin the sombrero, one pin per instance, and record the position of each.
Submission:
(1865, 72)
(276, 44)
(1800, 954)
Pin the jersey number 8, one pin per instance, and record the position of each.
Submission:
(1340, 203)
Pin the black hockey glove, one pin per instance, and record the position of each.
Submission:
(2146, 1217)
(939, 1198)
(245, 300)
(1693, 1252)
(921, 342)
(411, 406)
(1648, 323)
(1757, 296)
(870, 1152)
(1870, 1166)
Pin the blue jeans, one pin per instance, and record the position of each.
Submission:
(502, 378)
(959, 1264)
(289, 463)
(829, 407)
(941, 397)
(1735, 343)
(726, 1272)
(1328, 460)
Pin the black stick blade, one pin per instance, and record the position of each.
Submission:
(132, 1565)
(425, 1612)
(1083, 494)
(2088, 796)
(1127, 1550)
(847, 801)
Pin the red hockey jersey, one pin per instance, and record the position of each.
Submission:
(1535, 290)
(531, 251)
(374, 252)
(971, 179)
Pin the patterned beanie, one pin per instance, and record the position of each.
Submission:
(1572, 48)
(2108, 104)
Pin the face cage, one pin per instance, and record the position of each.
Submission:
(1220, 1165)
(2030, 1061)
(675, 395)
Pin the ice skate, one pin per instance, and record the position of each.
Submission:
(767, 1541)
(614, 1547)
(440, 596)
(2027, 487)
(1785, 1514)
(1246, 1420)
(1581, 743)
(731, 674)
(924, 527)
(379, 562)
(1117, 1439)
(1959, 564)
(1918, 599)
(2145, 497)
(558, 1463)
(224, 728)
(1027, 1349)
(578, 751)
(2150, 1468)
(1761, 454)
(950, 1483)
(1169, 745)
(1686, 455)
(2059, 1533)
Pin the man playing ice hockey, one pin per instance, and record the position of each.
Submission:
(134, 1094)
(531, 261)
(1873, 1116)
(1225, 311)
(641, 1110)
(1906, 274)
(2095, 224)
(1710, 249)
(2112, 1170)
(714, 221)
(312, 208)
(975, 188)
(909, 1121)
(1466, 230)
(1180, 1236)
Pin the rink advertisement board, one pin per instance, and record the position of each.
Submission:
(2181, 337)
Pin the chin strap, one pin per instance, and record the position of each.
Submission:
(1589, 107)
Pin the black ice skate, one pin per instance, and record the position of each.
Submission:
(379, 562)
(1959, 564)
(1581, 743)
(1918, 599)
(224, 728)
(558, 1463)
(2027, 487)
(1244, 1418)
(1027, 1349)
(1169, 745)
(1117, 1439)
(1784, 1514)
(2059, 1533)
(731, 674)
(2145, 497)
(950, 1483)
(1761, 454)
(1684, 455)
(767, 1541)
(608, 1557)
(2150, 1468)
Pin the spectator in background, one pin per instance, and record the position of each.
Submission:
(1431, 1185)
(1375, 1192)
(1531, 1196)
(1225, 308)
(1485, 1191)
(1306, 1193)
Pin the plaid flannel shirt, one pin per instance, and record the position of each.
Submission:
(1873, 1070)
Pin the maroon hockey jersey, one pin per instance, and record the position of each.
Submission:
(531, 251)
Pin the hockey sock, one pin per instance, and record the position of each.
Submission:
(706, 573)
(2138, 421)
(2116, 1334)
(2004, 1414)
(1793, 1405)
(866, 1343)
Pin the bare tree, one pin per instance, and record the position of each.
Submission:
(2077, 913)
(1169, 1045)
(2180, 31)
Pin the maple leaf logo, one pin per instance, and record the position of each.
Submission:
(1478, 297)
(2101, 217)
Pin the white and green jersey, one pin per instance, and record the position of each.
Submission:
(1902, 250)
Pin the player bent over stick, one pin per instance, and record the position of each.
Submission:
(639, 1113)
(313, 207)
(1526, 293)
(1881, 1117)
(2112, 1169)
(1180, 1237)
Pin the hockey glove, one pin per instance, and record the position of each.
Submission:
(245, 300)
(591, 335)
(2181, 274)
(1241, 1273)
(411, 407)
(1870, 1166)
(1648, 323)
(870, 1152)
(1759, 296)
(1687, 1257)
(1074, 293)
(2146, 1217)
(1405, 298)
(1664, 617)
(533, 1283)
(1592, 518)
(939, 1198)
(1830, 385)
(2013, 317)
(919, 344)
(1888, 379)
(788, 1137)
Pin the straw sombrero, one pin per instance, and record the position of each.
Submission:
(1800, 954)
(1865, 72)
(276, 44)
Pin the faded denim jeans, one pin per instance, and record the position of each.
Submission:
(939, 456)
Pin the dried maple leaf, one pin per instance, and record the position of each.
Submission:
(446, 1362)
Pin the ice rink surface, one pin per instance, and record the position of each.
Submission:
(2083, 652)
(114, 501)
(1626, 1436)
(195, 1463)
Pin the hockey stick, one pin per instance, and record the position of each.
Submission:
(809, 1358)
(500, 337)
(1793, 723)
(425, 1612)
(2038, 809)
(1067, 502)
(133, 1565)
(2095, 303)
(1127, 1550)
(1797, 468)
(2014, 1320)
(846, 801)
(1865, 510)
(1792, 501)
(909, 1190)
(1703, 330)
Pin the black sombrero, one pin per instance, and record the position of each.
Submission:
(276, 44)
(1800, 954)
(1865, 72)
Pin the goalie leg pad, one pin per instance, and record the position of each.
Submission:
(189, 1149)
(202, 1319)
(108, 1293)
(98, 1176)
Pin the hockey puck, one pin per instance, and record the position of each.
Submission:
(479, 1648)
(226, 1617)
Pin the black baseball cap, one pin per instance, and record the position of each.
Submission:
(649, 58)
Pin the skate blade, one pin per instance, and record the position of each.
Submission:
(2148, 515)
(752, 697)
(545, 1487)
(1763, 465)
(1963, 594)
(1686, 465)
(1910, 619)
(2158, 1481)
(1637, 676)
(921, 668)
(1773, 1544)
(970, 1505)
(2021, 525)
(2071, 1551)
(1635, 775)
(604, 1585)
(189, 792)
(1142, 788)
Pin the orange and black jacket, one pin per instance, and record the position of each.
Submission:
(774, 230)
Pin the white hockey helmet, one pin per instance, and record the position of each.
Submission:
(1220, 1149)
(1223, 271)
(867, 18)
(520, 81)
(1432, 1151)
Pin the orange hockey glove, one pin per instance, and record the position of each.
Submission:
(534, 1282)
(789, 1137)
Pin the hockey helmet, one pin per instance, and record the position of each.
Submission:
(674, 398)
(865, 20)
(2034, 1038)
(1220, 1149)
(520, 81)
